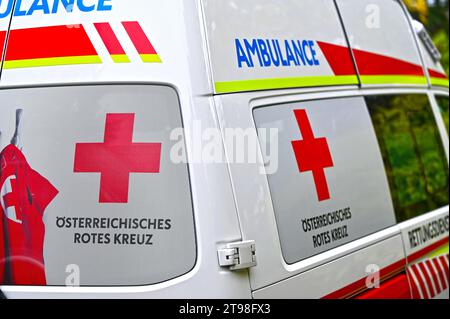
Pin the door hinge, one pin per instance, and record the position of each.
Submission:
(237, 256)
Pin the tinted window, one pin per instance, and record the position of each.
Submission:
(443, 106)
(413, 153)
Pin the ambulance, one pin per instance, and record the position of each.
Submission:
(255, 149)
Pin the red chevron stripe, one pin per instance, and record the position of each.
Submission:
(109, 38)
(434, 276)
(427, 277)
(414, 288)
(49, 42)
(444, 263)
(420, 279)
(440, 273)
(139, 38)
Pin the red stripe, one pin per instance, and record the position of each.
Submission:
(109, 38)
(434, 275)
(339, 58)
(427, 278)
(420, 279)
(396, 288)
(139, 38)
(360, 286)
(440, 273)
(49, 42)
(2, 42)
(418, 255)
(436, 74)
(2, 37)
(445, 265)
(414, 289)
(347, 291)
(377, 64)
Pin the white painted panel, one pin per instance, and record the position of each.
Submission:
(320, 281)
(268, 44)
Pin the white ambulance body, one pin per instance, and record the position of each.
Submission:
(347, 196)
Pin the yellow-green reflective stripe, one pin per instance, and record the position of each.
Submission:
(440, 251)
(16, 64)
(150, 58)
(284, 83)
(439, 82)
(393, 79)
(120, 58)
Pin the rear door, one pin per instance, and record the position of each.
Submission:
(311, 190)
(357, 198)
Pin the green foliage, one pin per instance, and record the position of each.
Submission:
(415, 161)
(419, 8)
(441, 41)
(438, 25)
(435, 16)
(443, 105)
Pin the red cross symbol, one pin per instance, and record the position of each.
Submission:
(117, 157)
(313, 155)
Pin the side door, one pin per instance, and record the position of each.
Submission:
(6, 9)
(316, 200)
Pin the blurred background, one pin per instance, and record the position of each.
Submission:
(434, 15)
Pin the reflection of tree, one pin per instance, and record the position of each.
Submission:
(419, 7)
(435, 15)
(443, 105)
(415, 161)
